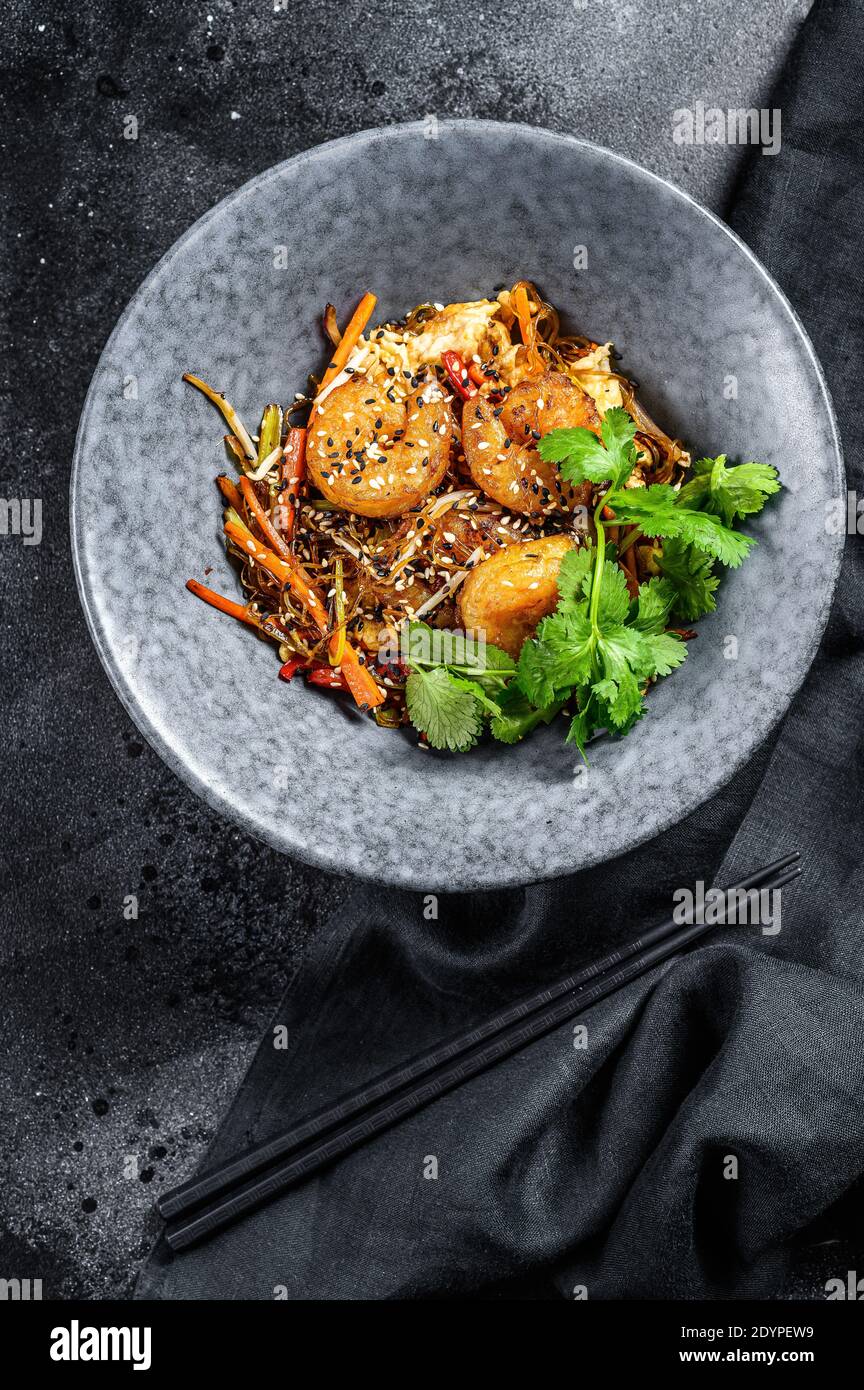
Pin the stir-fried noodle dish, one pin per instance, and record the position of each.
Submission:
(470, 525)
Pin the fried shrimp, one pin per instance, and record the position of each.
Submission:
(376, 456)
(507, 595)
(500, 443)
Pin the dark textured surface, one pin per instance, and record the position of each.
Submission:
(123, 1041)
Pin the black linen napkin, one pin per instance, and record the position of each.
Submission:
(603, 1166)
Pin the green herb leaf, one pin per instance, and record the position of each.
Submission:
(730, 492)
(583, 458)
(619, 431)
(657, 512)
(574, 574)
(614, 602)
(517, 716)
(666, 651)
(582, 725)
(426, 647)
(449, 715)
(654, 605)
(559, 657)
(692, 576)
(476, 689)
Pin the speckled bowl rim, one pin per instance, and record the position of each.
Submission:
(757, 731)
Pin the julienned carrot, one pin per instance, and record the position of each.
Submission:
(225, 605)
(359, 678)
(265, 622)
(359, 319)
(250, 497)
(627, 561)
(230, 493)
(287, 572)
(477, 374)
(293, 474)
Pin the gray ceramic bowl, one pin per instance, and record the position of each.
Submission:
(721, 359)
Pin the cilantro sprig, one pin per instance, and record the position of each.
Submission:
(599, 651)
(453, 685)
(729, 492)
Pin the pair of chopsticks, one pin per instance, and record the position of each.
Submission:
(204, 1205)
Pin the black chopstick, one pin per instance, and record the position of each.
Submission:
(186, 1196)
(254, 1177)
(194, 1192)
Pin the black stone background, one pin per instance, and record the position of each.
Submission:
(122, 1042)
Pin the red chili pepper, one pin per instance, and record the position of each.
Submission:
(458, 374)
(320, 674)
(327, 678)
(291, 668)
